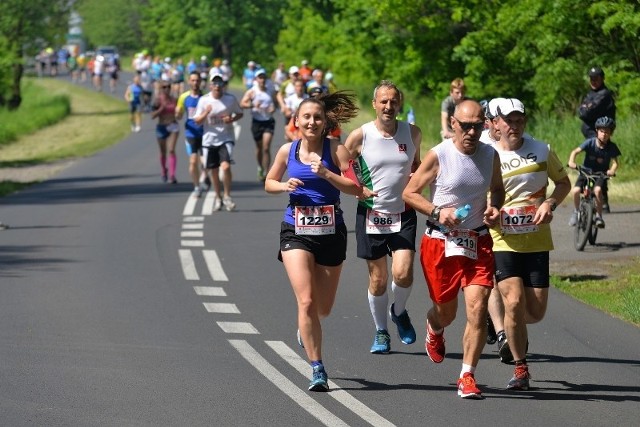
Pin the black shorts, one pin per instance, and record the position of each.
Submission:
(531, 267)
(195, 144)
(216, 155)
(329, 250)
(258, 128)
(600, 182)
(375, 246)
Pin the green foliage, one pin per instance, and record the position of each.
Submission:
(25, 28)
(38, 110)
(113, 22)
(236, 30)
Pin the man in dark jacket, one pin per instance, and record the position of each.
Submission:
(597, 103)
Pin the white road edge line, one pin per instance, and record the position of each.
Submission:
(188, 265)
(285, 385)
(189, 206)
(350, 402)
(214, 266)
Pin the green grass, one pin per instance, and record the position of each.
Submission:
(96, 121)
(619, 296)
(39, 109)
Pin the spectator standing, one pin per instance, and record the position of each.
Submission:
(598, 102)
(456, 95)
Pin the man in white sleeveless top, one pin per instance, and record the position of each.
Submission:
(386, 152)
(457, 253)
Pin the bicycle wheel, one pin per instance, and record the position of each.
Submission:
(593, 234)
(583, 225)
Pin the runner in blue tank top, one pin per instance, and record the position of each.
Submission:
(313, 236)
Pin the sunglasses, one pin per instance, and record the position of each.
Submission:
(165, 87)
(467, 126)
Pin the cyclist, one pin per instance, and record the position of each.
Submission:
(601, 155)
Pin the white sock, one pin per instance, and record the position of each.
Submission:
(467, 368)
(400, 295)
(378, 306)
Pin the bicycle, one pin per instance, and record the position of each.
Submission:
(585, 228)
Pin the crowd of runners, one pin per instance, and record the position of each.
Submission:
(488, 230)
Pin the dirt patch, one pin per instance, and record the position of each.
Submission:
(592, 269)
(35, 173)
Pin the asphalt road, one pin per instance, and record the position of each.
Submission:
(124, 303)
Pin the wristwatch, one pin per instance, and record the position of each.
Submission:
(553, 204)
(435, 213)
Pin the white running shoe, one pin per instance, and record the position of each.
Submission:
(217, 203)
(574, 219)
(229, 205)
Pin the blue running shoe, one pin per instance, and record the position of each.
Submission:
(381, 342)
(319, 380)
(405, 328)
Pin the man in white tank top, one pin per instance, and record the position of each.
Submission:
(456, 251)
(386, 152)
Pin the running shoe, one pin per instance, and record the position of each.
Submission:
(520, 380)
(300, 343)
(229, 204)
(503, 348)
(217, 203)
(599, 222)
(405, 328)
(137, 129)
(319, 380)
(492, 337)
(174, 180)
(434, 345)
(163, 177)
(260, 173)
(467, 388)
(381, 342)
(205, 184)
(574, 219)
(197, 191)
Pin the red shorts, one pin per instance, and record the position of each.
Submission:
(446, 275)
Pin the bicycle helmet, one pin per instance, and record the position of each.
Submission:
(595, 72)
(605, 122)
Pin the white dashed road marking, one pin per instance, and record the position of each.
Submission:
(237, 328)
(192, 243)
(221, 307)
(210, 291)
(188, 265)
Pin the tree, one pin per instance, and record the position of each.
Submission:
(26, 27)
(112, 22)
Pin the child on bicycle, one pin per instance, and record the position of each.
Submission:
(601, 155)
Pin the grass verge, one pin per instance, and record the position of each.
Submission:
(618, 296)
(39, 109)
(96, 121)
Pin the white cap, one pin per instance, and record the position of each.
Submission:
(293, 69)
(304, 62)
(203, 58)
(260, 71)
(167, 59)
(214, 75)
(251, 64)
(492, 111)
(508, 106)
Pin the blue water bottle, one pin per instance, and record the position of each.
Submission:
(463, 211)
